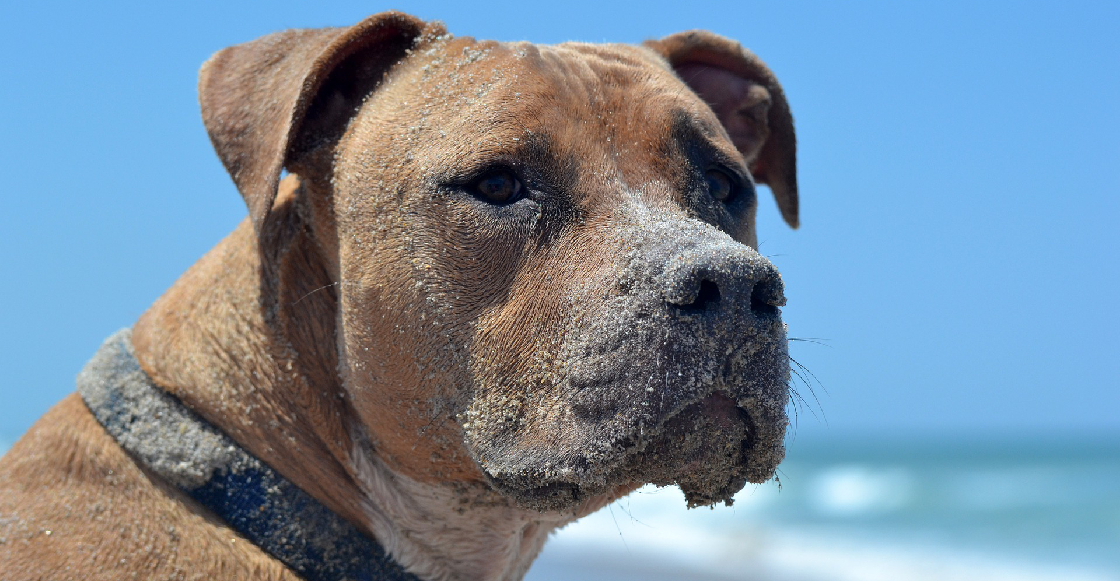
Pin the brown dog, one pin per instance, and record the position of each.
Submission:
(502, 286)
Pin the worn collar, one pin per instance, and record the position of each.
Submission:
(252, 498)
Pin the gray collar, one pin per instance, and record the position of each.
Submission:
(255, 500)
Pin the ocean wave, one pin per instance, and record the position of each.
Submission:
(652, 536)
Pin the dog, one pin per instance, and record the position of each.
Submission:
(500, 286)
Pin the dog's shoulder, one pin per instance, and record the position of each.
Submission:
(74, 504)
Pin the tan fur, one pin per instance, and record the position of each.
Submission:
(399, 350)
(76, 506)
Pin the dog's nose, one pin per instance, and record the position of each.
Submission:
(723, 277)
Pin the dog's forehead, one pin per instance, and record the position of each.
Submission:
(488, 88)
(616, 109)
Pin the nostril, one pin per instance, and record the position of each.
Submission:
(766, 297)
(707, 294)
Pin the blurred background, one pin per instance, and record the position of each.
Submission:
(953, 287)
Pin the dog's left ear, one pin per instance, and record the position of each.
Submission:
(260, 98)
(748, 100)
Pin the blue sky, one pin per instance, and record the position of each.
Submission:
(958, 163)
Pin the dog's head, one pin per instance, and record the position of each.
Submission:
(540, 259)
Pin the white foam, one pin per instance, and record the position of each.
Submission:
(855, 489)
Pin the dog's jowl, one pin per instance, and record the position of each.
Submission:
(502, 285)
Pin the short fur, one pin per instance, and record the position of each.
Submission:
(455, 376)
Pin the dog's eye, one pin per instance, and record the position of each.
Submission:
(720, 185)
(499, 187)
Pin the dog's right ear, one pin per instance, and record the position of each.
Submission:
(256, 96)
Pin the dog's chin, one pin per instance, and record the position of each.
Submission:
(710, 449)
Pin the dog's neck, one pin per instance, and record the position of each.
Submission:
(207, 341)
(447, 532)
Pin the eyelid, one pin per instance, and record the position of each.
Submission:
(732, 170)
(470, 174)
(461, 176)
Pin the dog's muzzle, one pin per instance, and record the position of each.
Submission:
(677, 376)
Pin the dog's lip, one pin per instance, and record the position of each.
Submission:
(718, 407)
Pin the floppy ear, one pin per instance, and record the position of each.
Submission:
(256, 96)
(749, 102)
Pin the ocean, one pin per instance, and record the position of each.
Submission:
(872, 509)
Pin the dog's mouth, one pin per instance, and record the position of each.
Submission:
(711, 449)
(640, 410)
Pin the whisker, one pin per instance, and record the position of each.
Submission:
(313, 291)
(616, 527)
(813, 340)
(808, 378)
(805, 403)
(802, 374)
(796, 406)
(626, 510)
(812, 375)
